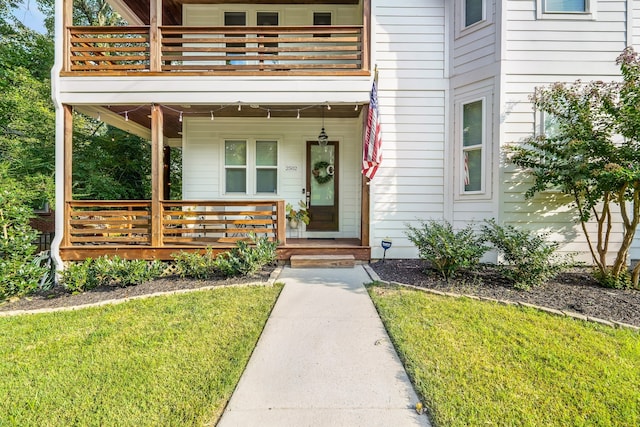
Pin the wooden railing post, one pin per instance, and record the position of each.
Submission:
(365, 35)
(68, 171)
(157, 186)
(281, 235)
(67, 23)
(155, 38)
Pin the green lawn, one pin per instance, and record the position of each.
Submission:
(162, 361)
(478, 363)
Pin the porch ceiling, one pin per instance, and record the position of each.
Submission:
(173, 126)
(172, 9)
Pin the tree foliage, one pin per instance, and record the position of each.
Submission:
(593, 156)
(19, 274)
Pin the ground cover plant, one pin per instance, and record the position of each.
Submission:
(109, 271)
(482, 363)
(171, 360)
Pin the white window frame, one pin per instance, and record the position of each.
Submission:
(463, 14)
(251, 167)
(586, 15)
(461, 29)
(482, 146)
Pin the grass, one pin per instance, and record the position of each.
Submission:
(478, 363)
(171, 360)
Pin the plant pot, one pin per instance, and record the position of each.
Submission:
(293, 223)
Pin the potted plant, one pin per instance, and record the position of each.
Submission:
(295, 216)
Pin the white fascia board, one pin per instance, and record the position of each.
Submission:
(127, 14)
(174, 89)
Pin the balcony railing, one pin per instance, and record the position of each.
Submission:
(182, 223)
(217, 50)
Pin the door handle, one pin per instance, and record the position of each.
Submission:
(308, 199)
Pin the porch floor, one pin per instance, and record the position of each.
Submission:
(292, 247)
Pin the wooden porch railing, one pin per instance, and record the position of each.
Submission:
(184, 223)
(278, 50)
(207, 222)
(97, 49)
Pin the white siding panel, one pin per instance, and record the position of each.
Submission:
(473, 49)
(409, 40)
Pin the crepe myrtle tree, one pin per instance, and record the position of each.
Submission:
(593, 155)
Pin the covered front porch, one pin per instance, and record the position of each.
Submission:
(127, 229)
(212, 213)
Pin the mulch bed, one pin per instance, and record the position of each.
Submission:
(574, 291)
(59, 297)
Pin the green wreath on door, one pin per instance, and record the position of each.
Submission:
(319, 168)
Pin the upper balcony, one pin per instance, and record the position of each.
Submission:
(267, 37)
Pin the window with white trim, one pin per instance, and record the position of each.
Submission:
(566, 9)
(266, 167)
(235, 166)
(473, 11)
(473, 131)
(548, 125)
(250, 166)
(564, 6)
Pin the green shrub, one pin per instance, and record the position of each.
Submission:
(529, 259)
(79, 277)
(245, 259)
(446, 251)
(195, 265)
(105, 271)
(19, 275)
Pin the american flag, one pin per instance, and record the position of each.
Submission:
(372, 140)
(466, 168)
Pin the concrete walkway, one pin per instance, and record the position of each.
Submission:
(324, 359)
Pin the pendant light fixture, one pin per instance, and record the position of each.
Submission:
(323, 138)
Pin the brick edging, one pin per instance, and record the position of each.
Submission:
(612, 323)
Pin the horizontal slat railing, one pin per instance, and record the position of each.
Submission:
(109, 222)
(184, 223)
(211, 222)
(216, 50)
(109, 49)
(250, 49)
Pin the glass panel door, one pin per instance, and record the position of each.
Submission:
(322, 186)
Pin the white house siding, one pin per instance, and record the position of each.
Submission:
(474, 75)
(409, 49)
(476, 46)
(538, 52)
(203, 160)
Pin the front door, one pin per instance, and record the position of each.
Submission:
(322, 186)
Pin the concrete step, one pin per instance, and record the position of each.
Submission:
(322, 261)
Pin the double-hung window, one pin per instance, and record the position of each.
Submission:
(250, 166)
(473, 135)
(235, 166)
(266, 167)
